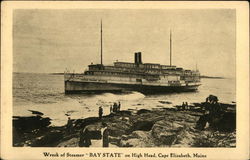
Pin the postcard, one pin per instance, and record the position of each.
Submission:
(124, 80)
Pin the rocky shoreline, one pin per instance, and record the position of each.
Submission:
(159, 127)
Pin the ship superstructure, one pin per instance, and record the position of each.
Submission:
(137, 76)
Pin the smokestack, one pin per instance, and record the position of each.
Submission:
(136, 59)
(139, 58)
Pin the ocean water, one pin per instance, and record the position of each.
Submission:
(45, 93)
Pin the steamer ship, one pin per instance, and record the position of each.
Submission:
(137, 76)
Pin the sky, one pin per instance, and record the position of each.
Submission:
(49, 41)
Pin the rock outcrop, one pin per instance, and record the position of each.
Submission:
(161, 127)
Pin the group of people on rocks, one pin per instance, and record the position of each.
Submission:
(85, 133)
(115, 107)
(212, 106)
(212, 112)
(184, 106)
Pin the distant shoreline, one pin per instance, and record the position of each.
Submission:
(211, 77)
(56, 73)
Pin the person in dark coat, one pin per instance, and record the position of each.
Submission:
(183, 106)
(69, 126)
(115, 107)
(85, 138)
(212, 99)
(105, 135)
(111, 108)
(82, 138)
(186, 106)
(100, 112)
(119, 106)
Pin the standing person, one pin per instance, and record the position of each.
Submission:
(105, 135)
(119, 106)
(85, 139)
(100, 112)
(115, 107)
(212, 99)
(82, 138)
(186, 105)
(88, 138)
(183, 106)
(69, 126)
(215, 100)
(111, 109)
(207, 100)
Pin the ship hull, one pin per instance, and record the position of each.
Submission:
(73, 87)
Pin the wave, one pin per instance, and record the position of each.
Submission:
(132, 96)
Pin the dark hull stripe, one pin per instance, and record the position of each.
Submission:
(84, 87)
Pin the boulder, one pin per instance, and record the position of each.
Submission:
(48, 140)
(95, 131)
(168, 139)
(23, 124)
(143, 125)
(119, 129)
(124, 113)
(166, 132)
(224, 122)
(73, 142)
(185, 138)
(81, 123)
(137, 139)
(131, 143)
(137, 134)
(201, 123)
(143, 111)
(227, 122)
(114, 140)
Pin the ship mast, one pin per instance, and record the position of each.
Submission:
(170, 49)
(101, 42)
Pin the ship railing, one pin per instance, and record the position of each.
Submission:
(69, 76)
(85, 77)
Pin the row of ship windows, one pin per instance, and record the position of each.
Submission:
(130, 68)
(110, 73)
(140, 65)
(150, 71)
(154, 66)
(117, 73)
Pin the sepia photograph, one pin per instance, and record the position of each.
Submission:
(124, 78)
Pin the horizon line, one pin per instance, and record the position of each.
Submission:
(79, 72)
